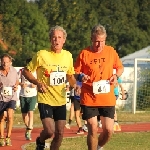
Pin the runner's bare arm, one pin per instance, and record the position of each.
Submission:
(119, 72)
(42, 88)
(29, 76)
(72, 81)
(114, 77)
(15, 87)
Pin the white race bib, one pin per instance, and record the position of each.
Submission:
(7, 91)
(102, 86)
(57, 78)
(27, 91)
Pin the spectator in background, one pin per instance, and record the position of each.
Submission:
(117, 89)
(71, 113)
(28, 99)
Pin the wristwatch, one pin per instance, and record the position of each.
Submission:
(117, 76)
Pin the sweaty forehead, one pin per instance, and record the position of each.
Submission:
(99, 37)
(57, 33)
(6, 59)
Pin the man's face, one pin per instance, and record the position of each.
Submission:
(57, 40)
(6, 62)
(98, 42)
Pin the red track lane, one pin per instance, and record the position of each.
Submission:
(18, 134)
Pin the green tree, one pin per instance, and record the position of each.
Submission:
(25, 28)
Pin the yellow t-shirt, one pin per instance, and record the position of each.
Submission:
(51, 69)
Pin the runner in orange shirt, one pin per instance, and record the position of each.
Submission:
(94, 67)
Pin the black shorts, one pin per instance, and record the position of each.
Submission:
(54, 112)
(105, 111)
(5, 105)
(72, 99)
(76, 105)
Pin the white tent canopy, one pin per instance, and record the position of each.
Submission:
(129, 59)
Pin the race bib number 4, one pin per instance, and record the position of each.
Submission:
(57, 78)
(102, 86)
(7, 91)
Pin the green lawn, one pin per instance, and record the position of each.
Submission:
(119, 141)
(123, 117)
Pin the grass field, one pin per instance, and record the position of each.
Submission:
(119, 141)
(123, 117)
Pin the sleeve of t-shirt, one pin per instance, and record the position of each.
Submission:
(71, 68)
(34, 63)
(117, 61)
(78, 67)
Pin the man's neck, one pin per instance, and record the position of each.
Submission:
(56, 50)
(96, 51)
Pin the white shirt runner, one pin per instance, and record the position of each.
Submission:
(27, 91)
(57, 78)
(102, 86)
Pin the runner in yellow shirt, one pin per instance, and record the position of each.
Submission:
(53, 68)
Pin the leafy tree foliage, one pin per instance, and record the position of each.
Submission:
(25, 29)
(24, 25)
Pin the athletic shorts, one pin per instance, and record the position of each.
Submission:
(27, 103)
(105, 111)
(6, 105)
(54, 112)
(76, 105)
(72, 99)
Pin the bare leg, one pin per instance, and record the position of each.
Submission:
(107, 126)
(71, 112)
(78, 119)
(30, 122)
(2, 121)
(92, 133)
(58, 137)
(10, 114)
(25, 119)
(115, 116)
(48, 129)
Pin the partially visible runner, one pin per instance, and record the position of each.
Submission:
(77, 110)
(9, 81)
(71, 112)
(4, 125)
(94, 67)
(117, 88)
(52, 67)
(28, 100)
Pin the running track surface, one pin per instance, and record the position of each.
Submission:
(18, 134)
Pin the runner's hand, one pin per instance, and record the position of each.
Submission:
(113, 79)
(24, 85)
(41, 87)
(85, 78)
(78, 90)
(15, 88)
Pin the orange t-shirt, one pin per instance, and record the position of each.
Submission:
(99, 66)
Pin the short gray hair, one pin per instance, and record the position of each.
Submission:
(6, 55)
(98, 30)
(57, 28)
